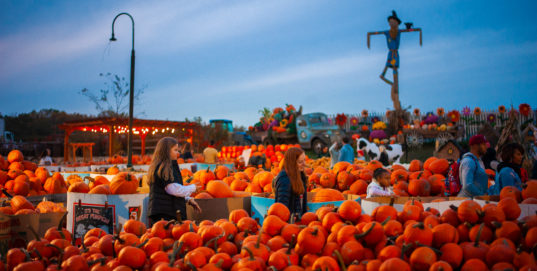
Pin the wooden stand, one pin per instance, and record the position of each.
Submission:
(86, 147)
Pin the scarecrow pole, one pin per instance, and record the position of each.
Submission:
(393, 37)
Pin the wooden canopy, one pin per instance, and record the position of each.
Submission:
(141, 127)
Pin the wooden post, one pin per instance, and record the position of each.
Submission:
(142, 135)
(110, 140)
(66, 145)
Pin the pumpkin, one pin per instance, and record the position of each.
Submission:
(358, 187)
(469, 211)
(422, 258)
(438, 166)
(530, 191)
(79, 187)
(16, 165)
(340, 166)
(29, 165)
(46, 206)
(42, 173)
(279, 210)
(310, 240)
(327, 194)
(203, 195)
(510, 208)
(219, 189)
(419, 187)
(55, 186)
(428, 162)
(20, 203)
(97, 181)
(100, 189)
(350, 210)
(21, 185)
(328, 180)
(394, 264)
(444, 233)
(15, 156)
(124, 183)
(113, 170)
(512, 192)
(205, 176)
(415, 165)
(399, 175)
(132, 257)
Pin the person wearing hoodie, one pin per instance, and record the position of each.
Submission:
(509, 170)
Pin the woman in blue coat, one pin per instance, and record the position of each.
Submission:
(290, 184)
(508, 171)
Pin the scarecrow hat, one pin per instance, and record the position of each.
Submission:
(394, 16)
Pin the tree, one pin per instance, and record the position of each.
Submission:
(112, 100)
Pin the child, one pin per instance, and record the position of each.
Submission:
(380, 185)
(167, 194)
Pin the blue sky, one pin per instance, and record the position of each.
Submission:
(228, 59)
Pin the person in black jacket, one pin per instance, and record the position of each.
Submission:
(167, 194)
(186, 153)
(290, 184)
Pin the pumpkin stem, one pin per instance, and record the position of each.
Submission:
(437, 251)
(272, 268)
(142, 244)
(340, 260)
(38, 254)
(404, 249)
(178, 216)
(419, 225)
(249, 253)
(215, 241)
(365, 233)
(167, 226)
(480, 213)
(6, 193)
(176, 250)
(60, 258)
(476, 244)
(192, 267)
(258, 239)
(385, 220)
(291, 245)
(453, 207)
(190, 227)
(220, 263)
(496, 224)
(100, 260)
(392, 201)
(28, 257)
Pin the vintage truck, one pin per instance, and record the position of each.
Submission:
(313, 131)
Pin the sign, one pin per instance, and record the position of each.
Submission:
(88, 216)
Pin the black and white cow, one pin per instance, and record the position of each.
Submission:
(387, 155)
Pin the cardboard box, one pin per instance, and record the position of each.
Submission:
(214, 209)
(525, 209)
(260, 204)
(88, 211)
(369, 204)
(14, 231)
(47, 221)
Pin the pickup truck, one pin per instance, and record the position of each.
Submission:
(313, 131)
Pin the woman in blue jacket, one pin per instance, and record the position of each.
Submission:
(508, 171)
(290, 184)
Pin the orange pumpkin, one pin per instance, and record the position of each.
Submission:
(55, 186)
(15, 156)
(124, 183)
(438, 166)
(327, 194)
(219, 189)
(79, 187)
(415, 165)
(100, 189)
(112, 170)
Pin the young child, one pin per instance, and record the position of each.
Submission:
(380, 185)
(167, 194)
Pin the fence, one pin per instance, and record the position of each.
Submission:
(471, 123)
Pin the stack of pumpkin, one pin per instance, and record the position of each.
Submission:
(469, 237)
(273, 153)
(19, 205)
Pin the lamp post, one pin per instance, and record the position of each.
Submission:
(131, 92)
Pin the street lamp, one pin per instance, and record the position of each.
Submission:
(131, 92)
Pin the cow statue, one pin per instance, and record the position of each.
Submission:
(387, 155)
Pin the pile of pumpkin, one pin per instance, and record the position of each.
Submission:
(23, 178)
(19, 205)
(273, 153)
(469, 237)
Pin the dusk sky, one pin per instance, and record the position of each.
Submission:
(229, 59)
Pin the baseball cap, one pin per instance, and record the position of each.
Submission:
(477, 139)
